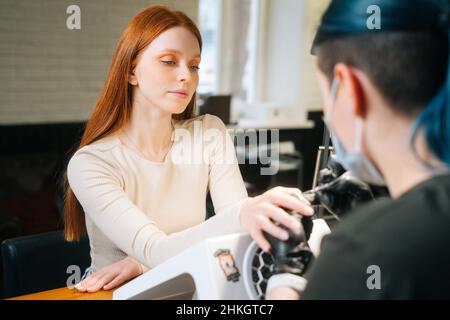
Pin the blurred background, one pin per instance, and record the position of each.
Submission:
(256, 73)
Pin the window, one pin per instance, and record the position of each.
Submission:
(228, 58)
(209, 22)
(259, 52)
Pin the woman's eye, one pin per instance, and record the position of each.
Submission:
(195, 68)
(169, 62)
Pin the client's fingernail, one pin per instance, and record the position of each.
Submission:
(284, 235)
(310, 211)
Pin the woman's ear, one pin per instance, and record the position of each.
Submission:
(132, 78)
(351, 89)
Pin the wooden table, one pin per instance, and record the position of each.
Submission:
(66, 294)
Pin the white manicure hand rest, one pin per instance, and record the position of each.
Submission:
(216, 268)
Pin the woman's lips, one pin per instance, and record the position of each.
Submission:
(179, 93)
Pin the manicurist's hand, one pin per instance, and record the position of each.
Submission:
(111, 276)
(258, 214)
(282, 293)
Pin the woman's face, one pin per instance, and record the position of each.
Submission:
(166, 73)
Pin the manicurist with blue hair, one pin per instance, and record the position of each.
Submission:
(384, 74)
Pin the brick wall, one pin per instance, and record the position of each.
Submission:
(49, 73)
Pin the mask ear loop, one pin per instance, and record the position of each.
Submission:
(358, 135)
(326, 120)
(332, 97)
(331, 100)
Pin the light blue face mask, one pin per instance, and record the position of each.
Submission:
(354, 161)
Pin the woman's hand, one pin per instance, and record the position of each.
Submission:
(111, 276)
(259, 214)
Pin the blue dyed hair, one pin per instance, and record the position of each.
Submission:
(345, 18)
(435, 121)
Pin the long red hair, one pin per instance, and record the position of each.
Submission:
(114, 106)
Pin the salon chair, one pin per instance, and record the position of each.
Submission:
(42, 262)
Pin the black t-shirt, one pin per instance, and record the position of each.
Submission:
(389, 249)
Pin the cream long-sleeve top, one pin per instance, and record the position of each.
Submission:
(154, 210)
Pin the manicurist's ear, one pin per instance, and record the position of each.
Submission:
(350, 89)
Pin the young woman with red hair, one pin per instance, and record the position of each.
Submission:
(127, 184)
